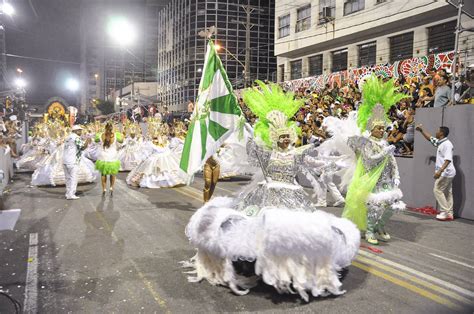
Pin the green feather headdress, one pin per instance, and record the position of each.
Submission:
(375, 91)
(267, 99)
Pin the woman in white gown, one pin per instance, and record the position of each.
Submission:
(51, 171)
(232, 157)
(178, 136)
(132, 152)
(34, 154)
(161, 169)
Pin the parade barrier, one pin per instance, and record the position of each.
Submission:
(417, 173)
(6, 171)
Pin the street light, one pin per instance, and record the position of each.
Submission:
(72, 84)
(20, 83)
(6, 8)
(121, 30)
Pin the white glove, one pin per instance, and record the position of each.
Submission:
(396, 182)
(389, 150)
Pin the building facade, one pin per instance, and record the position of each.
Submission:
(106, 64)
(324, 36)
(181, 50)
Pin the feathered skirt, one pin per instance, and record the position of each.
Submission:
(295, 251)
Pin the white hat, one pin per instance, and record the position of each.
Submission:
(76, 127)
(13, 118)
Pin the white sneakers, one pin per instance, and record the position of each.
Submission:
(444, 216)
(74, 197)
(339, 203)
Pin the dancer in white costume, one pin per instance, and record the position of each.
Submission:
(232, 157)
(132, 152)
(178, 135)
(294, 247)
(373, 194)
(322, 180)
(51, 171)
(161, 169)
(34, 155)
(72, 155)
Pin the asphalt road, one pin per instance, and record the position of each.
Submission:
(120, 254)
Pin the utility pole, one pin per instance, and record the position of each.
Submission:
(248, 26)
(3, 58)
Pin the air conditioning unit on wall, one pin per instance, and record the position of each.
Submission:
(327, 13)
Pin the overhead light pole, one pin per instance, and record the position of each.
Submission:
(124, 34)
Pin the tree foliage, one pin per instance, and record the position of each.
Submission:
(105, 107)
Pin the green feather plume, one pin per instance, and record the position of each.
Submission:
(265, 98)
(375, 91)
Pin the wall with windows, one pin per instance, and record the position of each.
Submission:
(345, 34)
(181, 50)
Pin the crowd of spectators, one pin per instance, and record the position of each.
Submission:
(425, 91)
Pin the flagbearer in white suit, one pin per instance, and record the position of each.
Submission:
(73, 147)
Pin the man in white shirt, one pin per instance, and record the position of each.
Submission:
(445, 171)
(73, 147)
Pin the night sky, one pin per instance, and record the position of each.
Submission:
(45, 29)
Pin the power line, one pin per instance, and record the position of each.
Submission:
(41, 59)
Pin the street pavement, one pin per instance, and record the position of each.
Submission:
(121, 254)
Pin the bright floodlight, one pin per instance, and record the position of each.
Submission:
(121, 31)
(20, 83)
(72, 84)
(7, 9)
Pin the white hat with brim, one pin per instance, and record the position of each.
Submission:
(76, 128)
(13, 118)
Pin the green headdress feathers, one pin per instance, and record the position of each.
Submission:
(375, 91)
(265, 102)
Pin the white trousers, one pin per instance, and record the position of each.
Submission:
(70, 173)
(331, 189)
(443, 192)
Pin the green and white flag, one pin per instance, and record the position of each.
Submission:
(216, 114)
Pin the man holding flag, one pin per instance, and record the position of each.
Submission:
(216, 116)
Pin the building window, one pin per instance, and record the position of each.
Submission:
(283, 26)
(296, 69)
(303, 18)
(441, 37)
(401, 47)
(327, 11)
(352, 6)
(315, 65)
(282, 73)
(339, 60)
(367, 54)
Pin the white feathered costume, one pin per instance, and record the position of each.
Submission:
(294, 251)
(294, 248)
